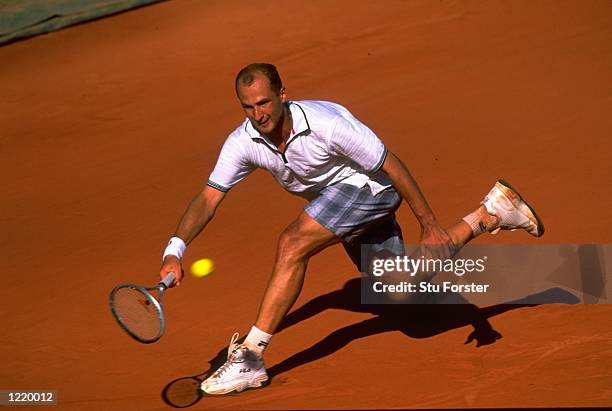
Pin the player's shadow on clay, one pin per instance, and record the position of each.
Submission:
(414, 320)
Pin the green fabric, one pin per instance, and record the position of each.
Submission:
(24, 18)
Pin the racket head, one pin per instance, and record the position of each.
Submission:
(138, 312)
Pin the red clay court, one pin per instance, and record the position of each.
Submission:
(107, 130)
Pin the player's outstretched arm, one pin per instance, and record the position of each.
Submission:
(197, 215)
(406, 185)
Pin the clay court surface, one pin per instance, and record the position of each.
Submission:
(107, 130)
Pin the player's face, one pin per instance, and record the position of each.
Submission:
(262, 105)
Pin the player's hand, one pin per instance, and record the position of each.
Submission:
(172, 264)
(436, 243)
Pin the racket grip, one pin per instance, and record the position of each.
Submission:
(169, 279)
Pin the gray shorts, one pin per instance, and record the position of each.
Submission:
(366, 223)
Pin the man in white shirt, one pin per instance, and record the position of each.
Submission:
(321, 152)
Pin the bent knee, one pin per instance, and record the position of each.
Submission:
(298, 243)
(292, 245)
(303, 238)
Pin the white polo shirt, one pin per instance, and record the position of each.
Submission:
(327, 145)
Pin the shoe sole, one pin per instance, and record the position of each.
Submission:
(513, 194)
(257, 383)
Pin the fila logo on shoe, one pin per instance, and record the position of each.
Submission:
(244, 370)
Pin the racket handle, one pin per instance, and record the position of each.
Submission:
(169, 279)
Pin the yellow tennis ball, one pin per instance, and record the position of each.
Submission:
(202, 267)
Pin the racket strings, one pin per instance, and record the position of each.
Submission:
(138, 314)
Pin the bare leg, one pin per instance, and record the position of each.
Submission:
(461, 233)
(298, 242)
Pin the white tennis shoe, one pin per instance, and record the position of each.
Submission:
(243, 369)
(513, 213)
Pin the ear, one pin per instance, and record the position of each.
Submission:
(283, 95)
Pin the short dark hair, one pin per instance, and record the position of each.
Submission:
(246, 76)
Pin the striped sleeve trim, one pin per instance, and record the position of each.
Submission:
(380, 162)
(218, 186)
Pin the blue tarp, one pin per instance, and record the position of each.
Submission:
(25, 18)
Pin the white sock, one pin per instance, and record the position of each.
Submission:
(257, 340)
(480, 221)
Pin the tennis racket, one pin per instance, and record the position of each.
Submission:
(139, 313)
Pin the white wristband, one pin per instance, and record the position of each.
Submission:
(175, 247)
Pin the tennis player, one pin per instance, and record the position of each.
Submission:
(353, 184)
